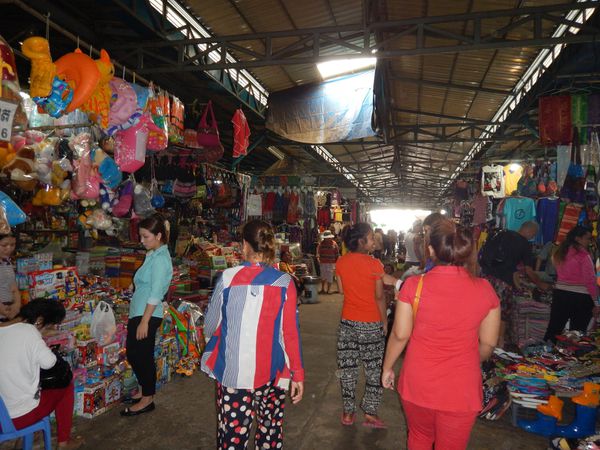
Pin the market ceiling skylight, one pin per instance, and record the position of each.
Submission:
(330, 69)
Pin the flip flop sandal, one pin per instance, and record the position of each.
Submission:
(348, 422)
(377, 423)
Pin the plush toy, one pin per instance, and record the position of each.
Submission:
(7, 154)
(60, 171)
(106, 198)
(21, 169)
(9, 87)
(99, 220)
(98, 105)
(107, 168)
(123, 103)
(44, 157)
(124, 201)
(47, 196)
(43, 70)
(81, 72)
(58, 101)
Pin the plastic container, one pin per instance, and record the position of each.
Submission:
(311, 289)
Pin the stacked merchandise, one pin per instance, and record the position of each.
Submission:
(530, 319)
(93, 342)
(539, 371)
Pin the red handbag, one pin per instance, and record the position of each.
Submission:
(208, 134)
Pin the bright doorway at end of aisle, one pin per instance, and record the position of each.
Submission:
(396, 219)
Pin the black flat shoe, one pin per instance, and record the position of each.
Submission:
(131, 400)
(127, 412)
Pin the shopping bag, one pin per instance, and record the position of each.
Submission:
(574, 186)
(208, 133)
(103, 325)
(555, 120)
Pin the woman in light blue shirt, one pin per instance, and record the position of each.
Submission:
(151, 283)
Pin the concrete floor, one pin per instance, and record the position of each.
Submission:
(185, 414)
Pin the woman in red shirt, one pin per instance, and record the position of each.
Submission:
(456, 326)
(361, 336)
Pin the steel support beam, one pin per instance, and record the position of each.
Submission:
(454, 86)
(355, 41)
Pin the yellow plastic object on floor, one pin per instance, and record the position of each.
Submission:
(553, 408)
(590, 395)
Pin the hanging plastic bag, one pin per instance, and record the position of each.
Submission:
(103, 325)
(176, 121)
(86, 181)
(142, 204)
(14, 214)
(124, 200)
(157, 138)
(130, 145)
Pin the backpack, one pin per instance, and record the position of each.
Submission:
(494, 253)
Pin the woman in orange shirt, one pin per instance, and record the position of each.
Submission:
(361, 336)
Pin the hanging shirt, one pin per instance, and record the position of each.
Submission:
(517, 211)
(293, 213)
(492, 181)
(241, 134)
(547, 217)
(480, 207)
(512, 177)
(337, 214)
(409, 244)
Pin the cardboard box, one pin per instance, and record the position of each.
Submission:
(58, 284)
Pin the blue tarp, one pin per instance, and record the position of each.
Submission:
(333, 111)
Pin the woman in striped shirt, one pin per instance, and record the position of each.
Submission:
(253, 344)
(10, 297)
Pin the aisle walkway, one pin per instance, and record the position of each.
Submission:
(185, 417)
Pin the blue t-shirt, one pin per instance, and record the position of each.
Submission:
(517, 211)
(152, 282)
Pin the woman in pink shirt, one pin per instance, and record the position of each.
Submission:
(575, 291)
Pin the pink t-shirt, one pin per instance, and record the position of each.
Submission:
(577, 270)
(441, 369)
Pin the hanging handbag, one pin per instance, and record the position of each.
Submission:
(208, 134)
(58, 376)
(417, 300)
(574, 186)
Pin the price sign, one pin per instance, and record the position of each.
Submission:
(7, 115)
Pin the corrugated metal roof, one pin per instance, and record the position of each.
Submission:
(498, 69)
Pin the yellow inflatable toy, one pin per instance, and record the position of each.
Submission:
(43, 70)
(98, 105)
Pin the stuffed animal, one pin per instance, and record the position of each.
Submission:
(44, 158)
(22, 169)
(98, 105)
(60, 171)
(43, 70)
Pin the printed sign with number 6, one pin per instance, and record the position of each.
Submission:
(7, 115)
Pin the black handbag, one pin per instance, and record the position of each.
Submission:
(58, 376)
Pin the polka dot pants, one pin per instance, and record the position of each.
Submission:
(236, 409)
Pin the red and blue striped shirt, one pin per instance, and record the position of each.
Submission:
(252, 329)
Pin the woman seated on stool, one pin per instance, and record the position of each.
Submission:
(23, 353)
(284, 266)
